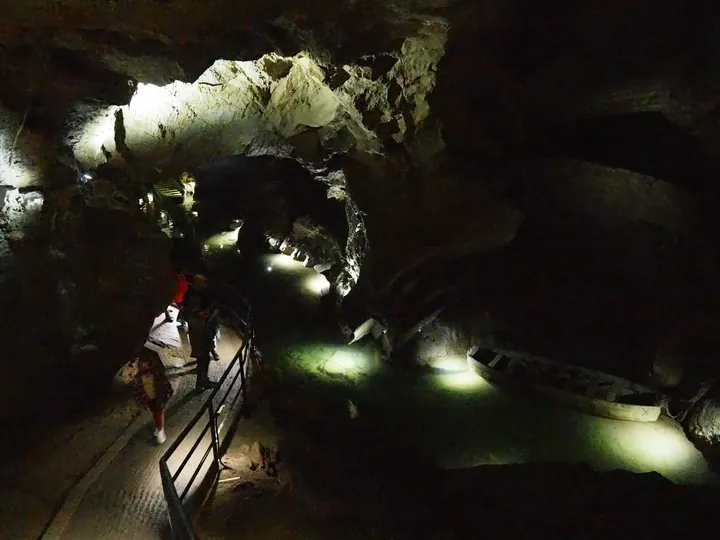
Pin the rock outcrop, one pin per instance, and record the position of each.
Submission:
(429, 121)
(703, 426)
(89, 277)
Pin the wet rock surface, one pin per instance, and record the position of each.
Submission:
(703, 425)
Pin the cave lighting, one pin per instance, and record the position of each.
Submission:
(650, 446)
(317, 285)
(218, 114)
(219, 240)
(311, 281)
(348, 362)
(284, 262)
(15, 169)
(452, 371)
(370, 326)
(321, 268)
(450, 364)
(340, 362)
(147, 98)
(466, 380)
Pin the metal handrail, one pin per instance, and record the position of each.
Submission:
(180, 522)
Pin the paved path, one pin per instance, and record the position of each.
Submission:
(124, 500)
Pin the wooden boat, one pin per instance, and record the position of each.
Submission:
(589, 391)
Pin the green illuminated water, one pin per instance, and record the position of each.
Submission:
(457, 419)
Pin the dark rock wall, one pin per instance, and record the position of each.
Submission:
(441, 161)
(89, 280)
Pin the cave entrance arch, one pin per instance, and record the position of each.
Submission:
(245, 201)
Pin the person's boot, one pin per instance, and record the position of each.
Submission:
(206, 384)
(215, 355)
(160, 436)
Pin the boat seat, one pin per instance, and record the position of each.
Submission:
(495, 361)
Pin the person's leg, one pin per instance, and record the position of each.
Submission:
(158, 414)
(213, 352)
(203, 366)
(215, 333)
(159, 418)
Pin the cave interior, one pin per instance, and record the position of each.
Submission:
(542, 179)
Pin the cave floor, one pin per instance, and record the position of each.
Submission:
(326, 400)
(36, 480)
(51, 490)
(126, 499)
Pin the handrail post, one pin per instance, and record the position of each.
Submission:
(214, 433)
(243, 365)
(180, 525)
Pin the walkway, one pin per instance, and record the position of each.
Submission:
(125, 500)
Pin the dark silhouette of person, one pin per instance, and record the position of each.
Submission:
(201, 311)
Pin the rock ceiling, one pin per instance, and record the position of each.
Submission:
(367, 78)
(67, 58)
(427, 106)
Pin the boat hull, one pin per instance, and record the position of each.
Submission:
(587, 404)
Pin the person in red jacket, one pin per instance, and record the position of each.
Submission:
(153, 389)
(181, 287)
